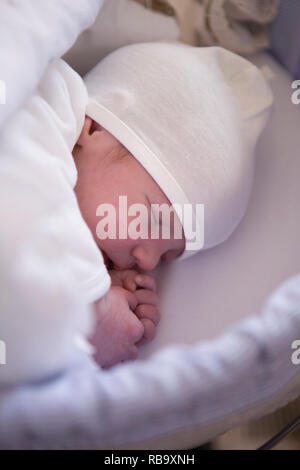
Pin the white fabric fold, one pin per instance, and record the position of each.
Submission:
(33, 33)
(51, 267)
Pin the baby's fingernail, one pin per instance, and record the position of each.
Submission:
(139, 279)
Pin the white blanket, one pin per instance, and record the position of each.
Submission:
(51, 267)
(27, 27)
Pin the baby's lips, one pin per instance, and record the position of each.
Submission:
(117, 268)
(124, 268)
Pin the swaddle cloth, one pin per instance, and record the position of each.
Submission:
(51, 267)
(191, 116)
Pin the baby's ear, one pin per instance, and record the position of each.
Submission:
(89, 127)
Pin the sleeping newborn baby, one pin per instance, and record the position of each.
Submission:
(127, 315)
(173, 126)
(149, 159)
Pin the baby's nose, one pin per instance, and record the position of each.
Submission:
(147, 261)
(146, 266)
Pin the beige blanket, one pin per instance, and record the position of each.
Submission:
(238, 25)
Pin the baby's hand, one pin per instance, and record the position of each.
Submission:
(147, 308)
(144, 288)
(125, 278)
(118, 330)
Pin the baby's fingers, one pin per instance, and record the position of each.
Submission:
(145, 281)
(129, 281)
(148, 312)
(149, 333)
(131, 299)
(145, 296)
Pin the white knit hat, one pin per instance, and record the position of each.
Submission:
(191, 116)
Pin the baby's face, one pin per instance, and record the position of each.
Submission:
(106, 170)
